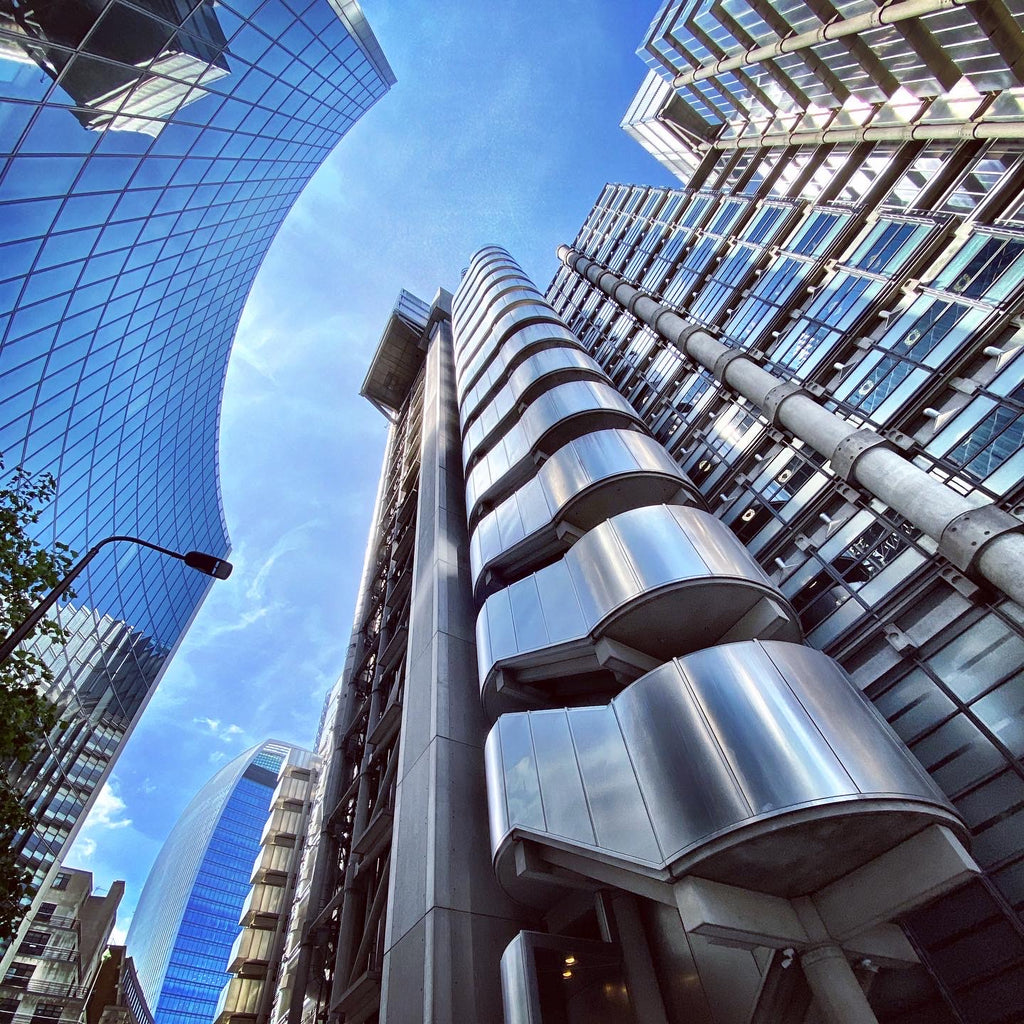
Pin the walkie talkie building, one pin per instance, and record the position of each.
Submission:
(150, 151)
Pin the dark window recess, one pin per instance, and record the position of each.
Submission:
(18, 975)
(35, 942)
(45, 911)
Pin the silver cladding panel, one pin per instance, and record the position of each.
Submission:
(561, 361)
(502, 297)
(503, 279)
(698, 748)
(469, 285)
(466, 372)
(611, 571)
(567, 478)
(515, 984)
(499, 468)
(519, 345)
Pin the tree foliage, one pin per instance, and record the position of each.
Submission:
(28, 572)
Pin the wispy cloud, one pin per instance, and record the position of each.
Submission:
(225, 733)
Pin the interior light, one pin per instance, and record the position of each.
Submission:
(566, 973)
(570, 960)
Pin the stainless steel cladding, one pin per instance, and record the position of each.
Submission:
(556, 417)
(755, 763)
(661, 580)
(581, 485)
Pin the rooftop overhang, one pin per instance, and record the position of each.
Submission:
(399, 354)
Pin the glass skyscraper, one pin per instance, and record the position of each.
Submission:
(150, 151)
(188, 914)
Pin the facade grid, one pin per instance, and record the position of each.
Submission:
(148, 154)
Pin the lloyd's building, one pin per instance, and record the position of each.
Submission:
(685, 682)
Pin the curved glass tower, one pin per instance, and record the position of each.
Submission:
(188, 914)
(150, 151)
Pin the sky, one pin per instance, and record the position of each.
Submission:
(503, 127)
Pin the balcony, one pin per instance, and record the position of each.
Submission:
(755, 764)
(58, 989)
(584, 483)
(646, 585)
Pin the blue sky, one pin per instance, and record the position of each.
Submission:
(503, 127)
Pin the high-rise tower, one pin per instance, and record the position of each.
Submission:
(767, 430)
(188, 915)
(680, 794)
(151, 151)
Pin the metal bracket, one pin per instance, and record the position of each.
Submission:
(968, 534)
(774, 399)
(852, 447)
(679, 339)
(723, 361)
(632, 304)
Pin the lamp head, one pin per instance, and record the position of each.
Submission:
(219, 568)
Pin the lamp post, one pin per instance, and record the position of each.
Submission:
(219, 568)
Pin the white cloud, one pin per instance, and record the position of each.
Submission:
(108, 811)
(225, 733)
(85, 847)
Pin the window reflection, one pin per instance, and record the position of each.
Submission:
(138, 68)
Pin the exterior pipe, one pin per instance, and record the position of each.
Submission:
(887, 14)
(961, 132)
(981, 541)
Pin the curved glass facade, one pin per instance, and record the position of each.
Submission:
(188, 914)
(150, 151)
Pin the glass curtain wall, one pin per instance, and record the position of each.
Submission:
(149, 151)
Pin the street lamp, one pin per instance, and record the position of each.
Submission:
(219, 568)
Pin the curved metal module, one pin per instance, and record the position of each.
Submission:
(659, 581)
(553, 419)
(519, 346)
(469, 367)
(584, 483)
(540, 372)
(757, 764)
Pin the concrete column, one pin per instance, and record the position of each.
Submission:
(448, 921)
(641, 979)
(836, 989)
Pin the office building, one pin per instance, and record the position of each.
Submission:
(700, 582)
(557, 643)
(182, 934)
(261, 949)
(150, 153)
(52, 973)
